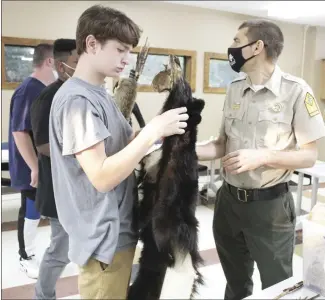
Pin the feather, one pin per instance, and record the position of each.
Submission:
(125, 91)
(141, 59)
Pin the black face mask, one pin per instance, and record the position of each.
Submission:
(236, 59)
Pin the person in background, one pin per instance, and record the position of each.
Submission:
(55, 257)
(271, 122)
(23, 165)
(94, 153)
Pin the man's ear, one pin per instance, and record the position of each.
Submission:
(59, 67)
(259, 47)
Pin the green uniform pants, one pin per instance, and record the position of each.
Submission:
(262, 231)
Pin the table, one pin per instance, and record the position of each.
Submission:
(275, 290)
(316, 172)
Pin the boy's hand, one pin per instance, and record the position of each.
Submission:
(169, 123)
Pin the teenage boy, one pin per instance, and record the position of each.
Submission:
(94, 153)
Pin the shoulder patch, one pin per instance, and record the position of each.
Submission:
(311, 105)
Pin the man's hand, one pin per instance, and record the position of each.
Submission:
(34, 178)
(244, 160)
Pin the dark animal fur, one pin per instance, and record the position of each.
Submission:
(167, 211)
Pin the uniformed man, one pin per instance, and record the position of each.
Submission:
(270, 126)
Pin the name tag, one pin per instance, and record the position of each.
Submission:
(236, 106)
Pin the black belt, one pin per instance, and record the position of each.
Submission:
(248, 195)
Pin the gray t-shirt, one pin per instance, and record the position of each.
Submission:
(98, 224)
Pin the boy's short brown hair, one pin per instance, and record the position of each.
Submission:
(106, 23)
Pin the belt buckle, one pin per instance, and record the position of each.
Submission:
(238, 195)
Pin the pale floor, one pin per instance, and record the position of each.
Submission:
(214, 279)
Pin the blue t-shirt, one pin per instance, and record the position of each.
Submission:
(19, 120)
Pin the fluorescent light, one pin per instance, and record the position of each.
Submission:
(281, 13)
(26, 58)
(295, 9)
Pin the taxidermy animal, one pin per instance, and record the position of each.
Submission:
(168, 227)
(125, 91)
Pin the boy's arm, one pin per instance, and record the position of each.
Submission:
(134, 135)
(107, 172)
(83, 134)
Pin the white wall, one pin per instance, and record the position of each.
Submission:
(320, 43)
(167, 26)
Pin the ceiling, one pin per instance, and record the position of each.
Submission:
(299, 12)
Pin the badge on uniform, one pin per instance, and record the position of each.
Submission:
(277, 107)
(236, 106)
(311, 105)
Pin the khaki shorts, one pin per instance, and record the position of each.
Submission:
(101, 281)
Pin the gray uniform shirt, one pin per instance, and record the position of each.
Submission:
(98, 224)
(281, 115)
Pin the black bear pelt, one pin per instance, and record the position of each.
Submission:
(168, 226)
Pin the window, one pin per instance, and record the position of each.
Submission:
(217, 73)
(17, 56)
(157, 58)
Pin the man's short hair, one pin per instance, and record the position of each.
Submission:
(269, 33)
(63, 48)
(106, 23)
(41, 53)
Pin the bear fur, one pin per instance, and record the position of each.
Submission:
(168, 226)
